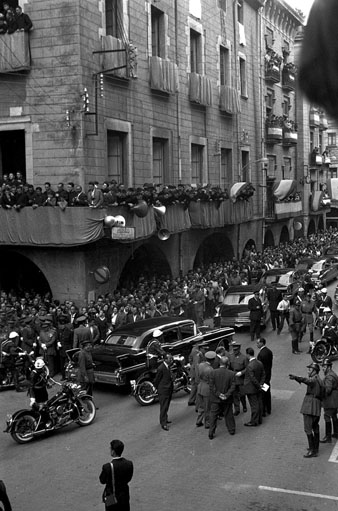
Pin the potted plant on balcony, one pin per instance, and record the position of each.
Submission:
(289, 76)
(244, 192)
(274, 129)
(290, 135)
(273, 63)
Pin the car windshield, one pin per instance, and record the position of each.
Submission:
(284, 280)
(121, 340)
(317, 266)
(235, 299)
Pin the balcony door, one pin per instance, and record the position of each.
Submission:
(12, 152)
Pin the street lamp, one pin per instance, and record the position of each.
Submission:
(263, 160)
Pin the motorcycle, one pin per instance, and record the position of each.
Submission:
(144, 390)
(326, 346)
(70, 404)
(14, 370)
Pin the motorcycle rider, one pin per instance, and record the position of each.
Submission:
(330, 402)
(39, 380)
(155, 350)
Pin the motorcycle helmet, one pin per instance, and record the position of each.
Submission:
(13, 335)
(157, 333)
(39, 363)
(314, 366)
(324, 290)
(327, 362)
(326, 309)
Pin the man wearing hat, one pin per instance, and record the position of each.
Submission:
(256, 314)
(311, 407)
(203, 389)
(155, 350)
(330, 402)
(47, 340)
(65, 341)
(309, 310)
(238, 363)
(81, 333)
(86, 367)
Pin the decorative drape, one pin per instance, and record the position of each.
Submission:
(163, 75)
(14, 52)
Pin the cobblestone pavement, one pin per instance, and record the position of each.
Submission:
(258, 469)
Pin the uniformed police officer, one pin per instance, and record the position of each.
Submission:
(330, 402)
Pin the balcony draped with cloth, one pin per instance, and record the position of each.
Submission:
(112, 60)
(14, 52)
(285, 208)
(163, 75)
(200, 90)
(229, 100)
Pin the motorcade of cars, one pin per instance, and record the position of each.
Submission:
(331, 250)
(234, 311)
(287, 280)
(325, 270)
(122, 356)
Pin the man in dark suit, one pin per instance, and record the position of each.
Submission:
(118, 483)
(82, 332)
(164, 385)
(265, 356)
(274, 296)
(222, 386)
(254, 377)
(256, 313)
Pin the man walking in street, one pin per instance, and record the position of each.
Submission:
(222, 386)
(203, 390)
(295, 326)
(254, 377)
(265, 356)
(274, 297)
(238, 362)
(311, 407)
(164, 385)
(116, 475)
(330, 402)
(256, 313)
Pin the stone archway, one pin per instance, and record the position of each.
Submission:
(312, 227)
(215, 248)
(284, 235)
(269, 240)
(19, 274)
(148, 261)
(320, 224)
(250, 244)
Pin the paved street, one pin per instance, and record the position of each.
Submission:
(258, 469)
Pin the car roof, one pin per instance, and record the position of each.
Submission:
(242, 289)
(139, 327)
(278, 271)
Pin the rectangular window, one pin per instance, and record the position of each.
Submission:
(195, 52)
(286, 48)
(157, 33)
(286, 167)
(196, 163)
(272, 166)
(240, 17)
(116, 144)
(159, 160)
(269, 38)
(224, 66)
(312, 141)
(245, 163)
(286, 105)
(242, 76)
(222, 4)
(226, 167)
(320, 142)
(332, 139)
(114, 18)
(269, 100)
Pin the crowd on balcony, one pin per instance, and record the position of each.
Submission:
(16, 193)
(14, 20)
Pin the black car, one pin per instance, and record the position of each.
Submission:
(122, 356)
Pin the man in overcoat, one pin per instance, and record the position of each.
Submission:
(256, 313)
(222, 386)
(164, 385)
(265, 356)
(330, 402)
(254, 377)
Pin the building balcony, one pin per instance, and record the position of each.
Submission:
(290, 138)
(14, 52)
(272, 73)
(314, 120)
(229, 100)
(163, 75)
(274, 135)
(118, 58)
(323, 122)
(200, 90)
(316, 158)
(288, 80)
(282, 210)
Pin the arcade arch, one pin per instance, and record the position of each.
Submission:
(18, 274)
(215, 248)
(284, 235)
(269, 240)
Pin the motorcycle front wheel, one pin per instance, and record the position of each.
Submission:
(320, 352)
(146, 393)
(87, 413)
(23, 429)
